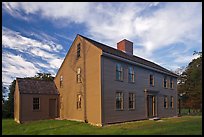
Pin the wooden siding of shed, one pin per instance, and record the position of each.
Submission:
(17, 103)
(27, 112)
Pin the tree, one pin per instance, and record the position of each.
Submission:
(43, 76)
(4, 91)
(190, 83)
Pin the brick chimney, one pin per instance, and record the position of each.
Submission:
(125, 46)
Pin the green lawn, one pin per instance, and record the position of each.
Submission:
(185, 125)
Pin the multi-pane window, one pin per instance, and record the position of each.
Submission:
(119, 100)
(172, 102)
(78, 50)
(131, 75)
(119, 72)
(78, 75)
(79, 101)
(151, 80)
(171, 83)
(131, 101)
(36, 104)
(165, 102)
(165, 82)
(61, 81)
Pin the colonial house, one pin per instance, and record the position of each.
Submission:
(101, 85)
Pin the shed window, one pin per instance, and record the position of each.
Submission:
(119, 72)
(119, 100)
(36, 103)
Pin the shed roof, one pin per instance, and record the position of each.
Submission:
(134, 58)
(33, 86)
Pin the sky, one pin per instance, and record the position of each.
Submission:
(36, 36)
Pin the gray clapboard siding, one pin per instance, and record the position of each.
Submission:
(110, 86)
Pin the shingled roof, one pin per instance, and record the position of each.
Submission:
(33, 86)
(134, 58)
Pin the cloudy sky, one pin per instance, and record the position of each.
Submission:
(37, 36)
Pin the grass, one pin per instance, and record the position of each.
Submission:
(185, 125)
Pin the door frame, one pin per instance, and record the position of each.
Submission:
(153, 105)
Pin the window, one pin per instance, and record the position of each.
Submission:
(171, 83)
(151, 80)
(36, 104)
(78, 75)
(78, 101)
(119, 72)
(61, 81)
(78, 50)
(131, 76)
(165, 82)
(165, 102)
(131, 101)
(119, 100)
(172, 102)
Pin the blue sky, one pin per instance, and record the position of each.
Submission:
(37, 36)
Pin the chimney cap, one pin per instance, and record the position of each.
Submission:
(125, 40)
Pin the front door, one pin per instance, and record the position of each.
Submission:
(52, 108)
(151, 105)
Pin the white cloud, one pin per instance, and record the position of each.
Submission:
(15, 40)
(53, 60)
(55, 63)
(153, 26)
(15, 66)
(168, 24)
(18, 66)
(73, 11)
(174, 23)
(185, 58)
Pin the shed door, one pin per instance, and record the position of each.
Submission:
(52, 108)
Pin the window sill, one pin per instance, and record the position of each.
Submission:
(119, 80)
(119, 109)
(131, 109)
(131, 82)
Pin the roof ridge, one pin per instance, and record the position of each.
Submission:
(34, 79)
(123, 55)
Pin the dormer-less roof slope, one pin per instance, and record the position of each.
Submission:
(134, 58)
(33, 86)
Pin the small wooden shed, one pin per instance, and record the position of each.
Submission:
(35, 100)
